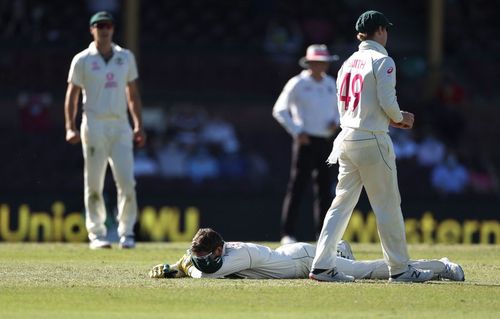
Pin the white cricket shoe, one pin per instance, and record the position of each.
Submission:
(413, 275)
(452, 271)
(99, 243)
(344, 250)
(285, 240)
(127, 242)
(330, 275)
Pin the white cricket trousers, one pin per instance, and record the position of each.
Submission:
(108, 141)
(303, 254)
(366, 159)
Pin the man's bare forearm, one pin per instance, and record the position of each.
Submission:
(71, 106)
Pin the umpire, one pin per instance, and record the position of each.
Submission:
(307, 109)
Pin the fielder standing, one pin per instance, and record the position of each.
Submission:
(307, 109)
(367, 104)
(106, 75)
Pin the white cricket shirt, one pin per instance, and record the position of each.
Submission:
(252, 261)
(306, 105)
(103, 84)
(367, 89)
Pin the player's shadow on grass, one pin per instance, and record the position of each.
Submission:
(468, 283)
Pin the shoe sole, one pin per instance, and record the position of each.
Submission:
(101, 247)
(404, 281)
(312, 278)
(463, 274)
(319, 280)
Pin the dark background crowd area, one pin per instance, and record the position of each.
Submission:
(210, 72)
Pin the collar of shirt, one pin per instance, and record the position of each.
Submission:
(372, 45)
(305, 74)
(93, 48)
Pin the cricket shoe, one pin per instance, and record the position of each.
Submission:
(344, 250)
(452, 271)
(330, 275)
(412, 275)
(99, 243)
(285, 240)
(127, 242)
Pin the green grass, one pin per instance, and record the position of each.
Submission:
(70, 281)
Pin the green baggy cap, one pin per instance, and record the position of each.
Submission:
(101, 16)
(371, 20)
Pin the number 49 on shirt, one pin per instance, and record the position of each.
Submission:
(350, 89)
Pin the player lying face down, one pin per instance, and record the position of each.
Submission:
(206, 251)
(211, 257)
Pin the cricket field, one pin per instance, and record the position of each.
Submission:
(57, 280)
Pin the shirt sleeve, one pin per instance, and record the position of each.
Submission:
(385, 73)
(193, 272)
(75, 75)
(335, 107)
(132, 71)
(338, 86)
(281, 109)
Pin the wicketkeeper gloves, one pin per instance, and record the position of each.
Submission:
(177, 270)
(184, 263)
(163, 271)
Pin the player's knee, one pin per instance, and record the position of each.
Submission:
(127, 192)
(126, 186)
(130, 197)
(94, 196)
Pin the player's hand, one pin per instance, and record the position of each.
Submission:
(139, 137)
(406, 123)
(303, 139)
(163, 271)
(72, 136)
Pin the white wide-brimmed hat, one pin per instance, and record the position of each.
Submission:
(317, 52)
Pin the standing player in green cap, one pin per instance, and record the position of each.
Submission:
(367, 105)
(106, 76)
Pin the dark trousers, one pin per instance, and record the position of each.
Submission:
(308, 161)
